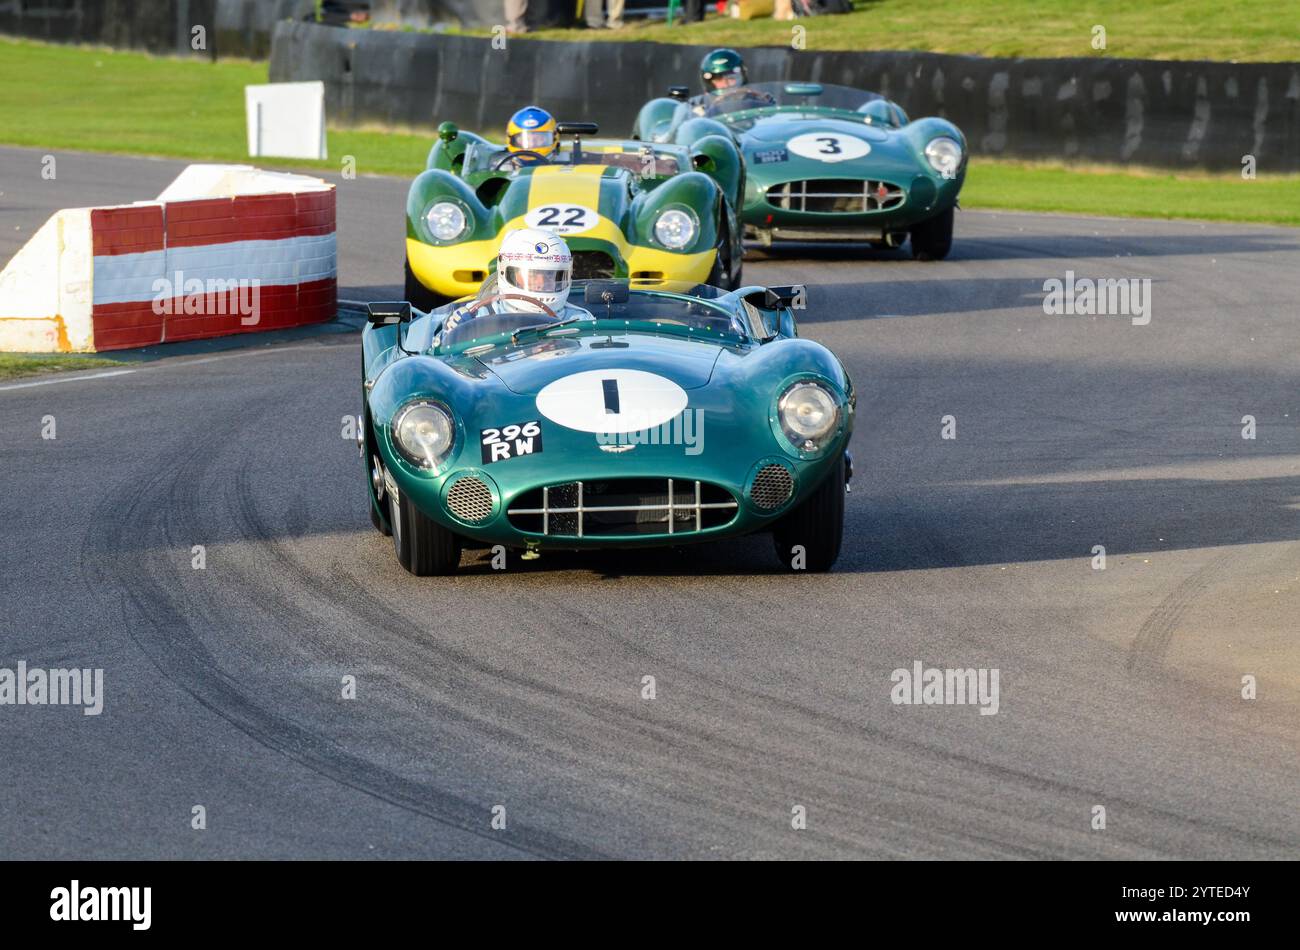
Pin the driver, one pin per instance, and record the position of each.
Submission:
(532, 129)
(721, 70)
(723, 75)
(535, 266)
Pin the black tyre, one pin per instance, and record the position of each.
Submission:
(932, 239)
(419, 296)
(817, 526)
(423, 547)
(726, 272)
(377, 521)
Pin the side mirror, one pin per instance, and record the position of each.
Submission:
(448, 131)
(605, 292)
(803, 89)
(793, 297)
(576, 128)
(680, 93)
(388, 312)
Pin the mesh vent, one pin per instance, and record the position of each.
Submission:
(772, 487)
(470, 500)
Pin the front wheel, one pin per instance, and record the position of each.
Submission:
(932, 239)
(424, 547)
(809, 537)
(419, 296)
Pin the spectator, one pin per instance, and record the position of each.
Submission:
(693, 11)
(515, 12)
(595, 14)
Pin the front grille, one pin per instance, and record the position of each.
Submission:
(623, 506)
(592, 265)
(835, 195)
(772, 487)
(470, 500)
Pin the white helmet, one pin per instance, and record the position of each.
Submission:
(536, 263)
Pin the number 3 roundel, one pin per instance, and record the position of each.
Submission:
(828, 146)
(562, 218)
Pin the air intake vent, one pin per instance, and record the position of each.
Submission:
(623, 507)
(835, 196)
(470, 500)
(772, 488)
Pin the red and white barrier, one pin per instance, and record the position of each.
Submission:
(224, 249)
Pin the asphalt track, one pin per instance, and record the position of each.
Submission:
(1119, 688)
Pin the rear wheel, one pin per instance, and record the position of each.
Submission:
(419, 296)
(932, 239)
(809, 537)
(423, 546)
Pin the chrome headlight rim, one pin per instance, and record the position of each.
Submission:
(945, 155)
(809, 444)
(692, 221)
(448, 204)
(423, 463)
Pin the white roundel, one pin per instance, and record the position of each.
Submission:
(611, 400)
(828, 146)
(561, 217)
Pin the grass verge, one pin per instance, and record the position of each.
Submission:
(15, 365)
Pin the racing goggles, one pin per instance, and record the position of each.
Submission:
(720, 81)
(533, 140)
(536, 279)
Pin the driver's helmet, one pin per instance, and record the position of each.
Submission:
(537, 264)
(721, 70)
(531, 130)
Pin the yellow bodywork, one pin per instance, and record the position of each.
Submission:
(456, 270)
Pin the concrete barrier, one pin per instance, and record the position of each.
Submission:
(1174, 114)
(224, 249)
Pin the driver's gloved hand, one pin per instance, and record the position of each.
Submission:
(453, 321)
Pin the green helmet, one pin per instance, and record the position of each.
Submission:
(721, 70)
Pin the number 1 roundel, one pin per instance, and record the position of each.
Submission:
(562, 217)
(611, 400)
(828, 146)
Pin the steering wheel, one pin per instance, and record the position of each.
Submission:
(533, 158)
(493, 298)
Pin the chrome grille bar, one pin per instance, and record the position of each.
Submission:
(695, 506)
(795, 195)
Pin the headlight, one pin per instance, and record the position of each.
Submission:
(675, 229)
(809, 413)
(423, 433)
(944, 156)
(446, 220)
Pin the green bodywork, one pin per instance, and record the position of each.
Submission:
(732, 379)
(896, 156)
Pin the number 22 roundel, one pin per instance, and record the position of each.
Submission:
(562, 218)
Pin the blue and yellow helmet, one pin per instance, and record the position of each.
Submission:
(532, 129)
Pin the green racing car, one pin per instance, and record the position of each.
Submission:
(826, 163)
(667, 414)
